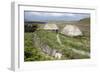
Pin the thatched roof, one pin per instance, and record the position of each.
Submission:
(71, 30)
(50, 27)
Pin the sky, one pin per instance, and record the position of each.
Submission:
(53, 16)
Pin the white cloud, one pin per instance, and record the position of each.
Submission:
(56, 14)
(52, 14)
(36, 13)
(47, 14)
(70, 14)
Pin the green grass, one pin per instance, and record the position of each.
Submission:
(49, 38)
(33, 53)
(81, 42)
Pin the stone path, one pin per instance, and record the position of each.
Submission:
(58, 39)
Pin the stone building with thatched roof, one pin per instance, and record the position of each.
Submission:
(71, 30)
(50, 27)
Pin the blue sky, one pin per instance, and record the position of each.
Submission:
(52, 16)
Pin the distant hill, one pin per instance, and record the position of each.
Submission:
(84, 25)
(85, 21)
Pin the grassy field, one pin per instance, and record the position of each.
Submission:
(32, 53)
(71, 48)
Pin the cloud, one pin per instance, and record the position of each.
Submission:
(30, 16)
(46, 14)
(70, 14)
(56, 14)
(36, 13)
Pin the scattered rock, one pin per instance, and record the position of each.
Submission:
(46, 48)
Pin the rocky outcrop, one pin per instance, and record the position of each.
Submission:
(45, 48)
